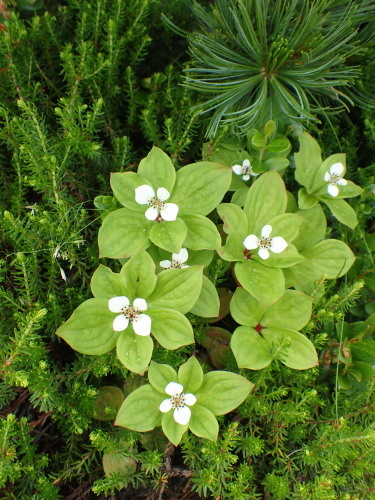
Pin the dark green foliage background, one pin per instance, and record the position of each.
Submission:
(86, 89)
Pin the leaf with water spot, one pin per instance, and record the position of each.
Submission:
(266, 284)
(169, 235)
(134, 351)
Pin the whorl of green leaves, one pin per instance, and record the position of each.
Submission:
(254, 60)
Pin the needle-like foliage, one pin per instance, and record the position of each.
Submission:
(255, 60)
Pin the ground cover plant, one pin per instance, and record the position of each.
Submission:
(187, 269)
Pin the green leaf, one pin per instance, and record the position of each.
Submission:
(158, 169)
(200, 187)
(160, 376)
(313, 228)
(200, 257)
(108, 397)
(169, 235)
(291, 206)
(279, 145)
(177, 289)
(134, 351)
(342, 211)
(89, 329)
(299, 355)
(233, 250)
(250, 349)
(292, 310)
(245, 309)
(190, 375)
(221, 392)
(239, 196)
(170, 328)
(154, 440)
(224, 155)
(105, 204)
(208, 303)
(258, 140)
(237, 182)
(234, 218)
(201, 233)
(275, 162)
(266, 284)
(366, 371)
(348, 191)
(328, 259)
(306, 200)
(344, 381)
(139, 274)
(123, 185)
(132, 382)
(172, 429)
(140, 410)
(364, 351)
(269, 128)
(123, 233)
(287, 258)
(203, 423)
(117, 463)
(307, 160)
(106, 284)
(286, 225)
(266, 199)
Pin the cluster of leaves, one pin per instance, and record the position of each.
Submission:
(159, 302)
(88, 88)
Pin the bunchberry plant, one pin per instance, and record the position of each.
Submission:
(271, 245)
(260, 258)
(323, 181)
(194, 400)
(193, 192)
(249, 156)
(86, 89)
(129, 306)
(271, 332)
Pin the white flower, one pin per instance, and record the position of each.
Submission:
(265, 243)
(159, 210)
(245, 170)
(141, 322)
(178, 401)
(333, 177)
(178, 260)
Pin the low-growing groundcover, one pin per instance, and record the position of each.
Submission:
(187, 259)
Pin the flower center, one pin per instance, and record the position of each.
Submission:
(265, 242)
(176, 265)
(156, 203)
(130, 312)
(334, 179)
(178, 400)
(247, 170)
